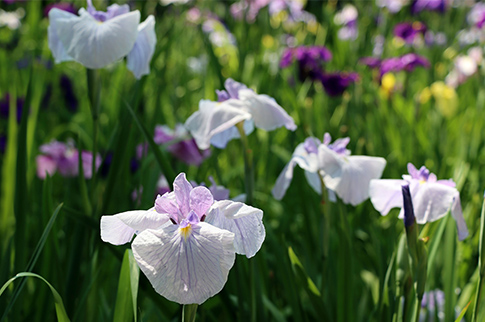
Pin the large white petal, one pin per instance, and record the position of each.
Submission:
(432, 201)
(349, 176)
(386, 194)
(221, 139)
(138, 60)
(55, 44)
(95, 44)
(266, 113)
(213, 118)
(457, 213)
(119, 229)
(186, 269)
(244, 221)
(313, 179)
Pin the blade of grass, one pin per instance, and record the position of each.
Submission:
(125, 308)
(60, 311)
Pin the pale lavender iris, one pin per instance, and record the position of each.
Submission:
(97, 39)
(64, 158)
(186, 243)
(343, 174)
(214, 122)
(432, 198)
(347, 19)
(407, 62)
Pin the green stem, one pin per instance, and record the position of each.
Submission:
(94, 93)
(189, 311)
(481, 264)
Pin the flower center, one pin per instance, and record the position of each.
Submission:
(185, 231)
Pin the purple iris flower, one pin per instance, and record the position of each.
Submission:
(428, 5)
(372, 62)
(432, 198)
(476, 16)
(186, 244)
(336, 83)
(310, 60)
(409, 218)
(97, 39)
(66, 6)
(409, 31)
(345, 175)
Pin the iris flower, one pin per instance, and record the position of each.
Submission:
(97, 39)
(347, 176)
(186, 243)
(214, 122)
(432, 198)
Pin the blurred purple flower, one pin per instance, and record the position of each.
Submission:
(407, 62)
(476, 15)
(310, 60)
(249, 7)
(336, 83)
(66, 6)
(5, 107)
(64, 158)
(428, 5)
(372, 62)
(409, 31)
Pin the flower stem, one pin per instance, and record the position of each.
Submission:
(481, 263)
(189, 312)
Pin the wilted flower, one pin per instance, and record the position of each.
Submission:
(432, 198)
(336, 83)
(347, 18)
(346, 175)
(409, 31)
(186, 243)
(64, 158)
(214, 122)
(97, 39)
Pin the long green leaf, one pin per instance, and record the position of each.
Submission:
(125, 308)
(60, 311)
(160, 155)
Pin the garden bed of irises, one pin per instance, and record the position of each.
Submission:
(260, 160)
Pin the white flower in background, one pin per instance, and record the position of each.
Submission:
(11, 19)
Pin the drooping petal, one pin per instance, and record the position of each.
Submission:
(313, 180)
(186, 266)
(200, 200)
(213, 118)
(349, 176)
(96, 44)
(386, 194)
(55, 44)
(119, 229)
(307, 161)
(266, 113)
(244, 221)
(182, 188)
(221, 139)
(457, 214)
(138, 60)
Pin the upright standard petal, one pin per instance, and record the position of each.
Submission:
(119, 229)
(386, 194)
(266, 113)
(213, 118)
(182, 188)
(186, 267)
(349, 176)
(55, 44)
(138, 60)
(201, 200)
(244, 221)
(95, 44)
(233, 87)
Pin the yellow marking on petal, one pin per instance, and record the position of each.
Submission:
(422, 181)
(185, 232)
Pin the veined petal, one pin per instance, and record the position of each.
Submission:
(95, 44)
(213, 118)
(307, 161)
(182, 188)
(138, 60)
(221, 139)
(266, 113)
(244, 221)
(200, 200)
(349, 176)
(457, 213)
(119, 229)
(386, 194)
(187, 268)
(432, 201)
(55, 44)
